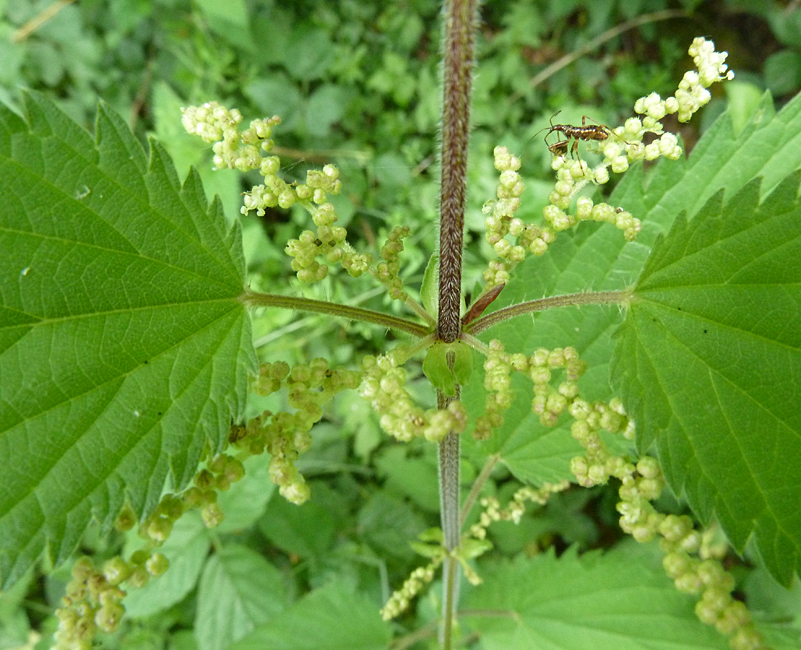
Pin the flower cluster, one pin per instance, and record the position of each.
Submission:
(690, 559)
(515, 508)
(245, 151)
(400, 599)
(384, 386)
(549, 402)
(388, 271)
(220, 471)
(626, 144)
(285, 436)
(692, 93)
(497, 383)
(328, 240)
(690, 96)
(597, 465)
(501, 221)
(693, 573)
(619, 146)
(93, 599)
(232, 149)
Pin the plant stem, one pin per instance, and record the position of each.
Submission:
(596, 298)
(460, 20)
(458, 62)
(450, 582)
(253, 299)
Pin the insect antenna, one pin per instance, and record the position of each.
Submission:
(550, 128)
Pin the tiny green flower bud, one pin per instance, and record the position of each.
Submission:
(138, 558)
(584, 206)
(83, 569)
(126, 520)
(139, 577)
(688, 583)
(204, 479)
(734, 616)
(157, 564)
(108, 618)
(212, 515)
(677, 564)
(746, 638)
(116, 570)
(159, 530)
(706, 612)
(234, 470)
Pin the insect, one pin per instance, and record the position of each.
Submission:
(572, 133)
(558, 148)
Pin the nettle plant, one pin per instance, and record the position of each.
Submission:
(127, 351)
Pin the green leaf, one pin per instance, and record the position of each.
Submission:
(769, 601)
(428, 550)
(186, 549)
(238, 591)
(604, 602)
(183, 640)
(438, 370)
(462, 362)
(14, 624)
(229, 19)
(532, 452)
(472, 548)
(326, 107)
(275, 94)
(783, 72)
(435, 367)
(407, 472)
(432, 535)
(709, 359)
(309, 53)
(387, 523)
(743, 99)
(429, 290)
(330, 618)
(124, 349)
(246, 499)
(307, 530)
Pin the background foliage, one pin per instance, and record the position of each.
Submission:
(357, 83)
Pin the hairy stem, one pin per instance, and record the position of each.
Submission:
(460, 20)
(253, 299)
(596, 298)
(458, 62)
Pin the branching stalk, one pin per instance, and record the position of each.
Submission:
(595, 298)
(478, 484)
(253, 299)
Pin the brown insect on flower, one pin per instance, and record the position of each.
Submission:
(573, 135)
